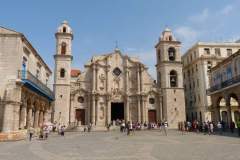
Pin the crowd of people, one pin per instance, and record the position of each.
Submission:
(43, 132)
(209, 127)
(129, 127)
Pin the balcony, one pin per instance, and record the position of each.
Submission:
(224, 84)
(35, 84)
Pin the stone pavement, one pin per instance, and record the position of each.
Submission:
(144, 145)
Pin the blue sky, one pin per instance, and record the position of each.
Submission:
(135, 24)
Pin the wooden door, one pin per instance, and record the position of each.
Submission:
(152, 116)
(80, 116)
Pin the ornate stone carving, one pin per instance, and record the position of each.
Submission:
(102, 80)
(102, 114)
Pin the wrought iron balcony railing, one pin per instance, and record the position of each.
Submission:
(224, 84)
(26, 75)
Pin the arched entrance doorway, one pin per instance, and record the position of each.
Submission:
(117, 111)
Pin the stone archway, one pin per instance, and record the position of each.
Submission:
(233, 107)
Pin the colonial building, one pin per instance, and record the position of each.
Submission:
(197, 62)
(115, 86)
(25, 98)
(225, 89)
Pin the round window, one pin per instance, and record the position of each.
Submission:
(117, 71)
(80, 99)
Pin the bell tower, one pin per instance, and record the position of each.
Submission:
(62, 73)
(169, 78)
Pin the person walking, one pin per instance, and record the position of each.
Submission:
(165, 127)
(211, 127)
(232, 126)
(89, 127)
(127, 127)
(219, 126)
(238, 126)
(62, 130)
(46, 132)
(130, 128)
(31, 132)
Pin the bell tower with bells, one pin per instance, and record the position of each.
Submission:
(169, 78)
(62, 73)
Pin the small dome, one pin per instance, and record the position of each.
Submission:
(167, 35)
(167, 30)
(65, 22)
(64, 28)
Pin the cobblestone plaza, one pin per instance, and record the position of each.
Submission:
(143, 145)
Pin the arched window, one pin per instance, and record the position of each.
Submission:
(170, 38)
(63, 48)
(172, 54)
(173, 78)
(159, 79)
(62, 73)
(64, 29)
(159, 55)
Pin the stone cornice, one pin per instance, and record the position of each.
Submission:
(167, 42)
(64, 34)
(63, 56)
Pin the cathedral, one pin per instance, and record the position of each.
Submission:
(115, 86)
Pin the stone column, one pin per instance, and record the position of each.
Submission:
(139, 109)
(127, 109)
(40, 122)
(36, 118)
(94, 77)
(217, 113)
(29, 116)
(88, 110)
(108, 111)
(126, 75)
(96, 110)
(138, 80)
(160, 108)
(141, 79)
(107, 79)
(93, 110)
(11, 117)
(229, 112)
(146, 112)
(142, 110)
(23, 115)
(45, 113)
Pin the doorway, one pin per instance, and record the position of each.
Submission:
(152, 116)
(80, 116)
(117, 111)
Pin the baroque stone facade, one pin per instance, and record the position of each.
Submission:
(115, 86)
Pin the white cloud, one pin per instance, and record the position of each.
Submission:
(207, 24)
